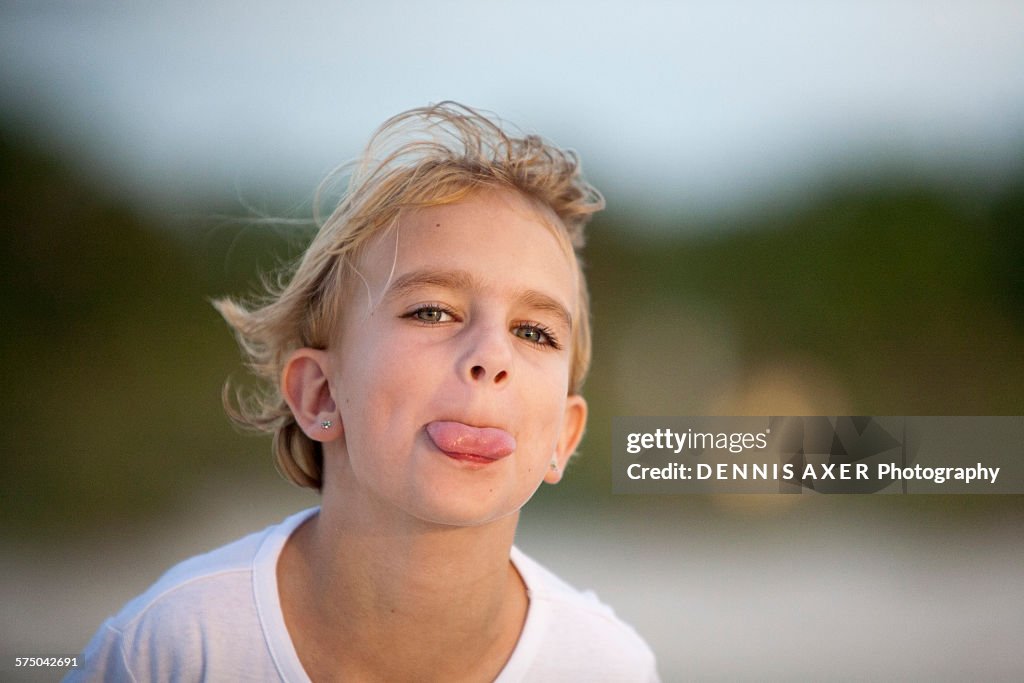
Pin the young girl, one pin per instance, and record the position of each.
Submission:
(425, 363)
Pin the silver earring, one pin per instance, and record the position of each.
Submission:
(554, 464)
(326, 424)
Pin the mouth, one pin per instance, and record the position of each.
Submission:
(480, 445)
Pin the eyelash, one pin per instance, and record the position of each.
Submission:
(552, 341)
(412, 315)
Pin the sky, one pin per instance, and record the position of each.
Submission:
(699, 105)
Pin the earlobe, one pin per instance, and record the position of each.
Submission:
(574, 422)
(307, 391)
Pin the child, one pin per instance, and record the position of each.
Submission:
(425, 360)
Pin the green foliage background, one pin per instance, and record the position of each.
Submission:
(907, 297)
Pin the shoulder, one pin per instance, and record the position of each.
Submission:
(579, 632)
(212, 581)
(203, 611)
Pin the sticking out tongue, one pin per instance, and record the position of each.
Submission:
(458, 438)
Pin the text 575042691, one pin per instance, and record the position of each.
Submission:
(60, 662)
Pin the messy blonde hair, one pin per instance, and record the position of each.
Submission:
(428, 156)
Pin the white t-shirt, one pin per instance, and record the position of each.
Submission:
(217, 617)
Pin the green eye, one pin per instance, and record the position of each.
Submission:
(531, 334)
(535, 335)
(429, 315)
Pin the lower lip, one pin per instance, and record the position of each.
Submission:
(470, 458)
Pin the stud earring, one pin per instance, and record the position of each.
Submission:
(326, 424)
(554, 464)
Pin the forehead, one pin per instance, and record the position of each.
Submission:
(504, 239)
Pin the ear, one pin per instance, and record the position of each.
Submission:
(574, 421)
(307, 391)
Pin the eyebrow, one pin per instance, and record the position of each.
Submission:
(461, 279)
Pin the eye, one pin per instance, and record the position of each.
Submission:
(536, 334)
(430, 315)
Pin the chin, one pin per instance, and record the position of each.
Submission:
(466, 513)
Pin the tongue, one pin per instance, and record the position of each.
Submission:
(455, 437)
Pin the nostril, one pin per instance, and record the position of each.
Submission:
(500, 377)
(477, 372)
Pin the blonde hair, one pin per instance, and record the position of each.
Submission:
(428, 156)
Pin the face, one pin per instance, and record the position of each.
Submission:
(452, 372)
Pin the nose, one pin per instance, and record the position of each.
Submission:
(488, 356)
(480, 374)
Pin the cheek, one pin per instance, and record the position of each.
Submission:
(545, 406)
(548, 379)
(382, 375)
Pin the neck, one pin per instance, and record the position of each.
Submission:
(400, 564)
(404, 595)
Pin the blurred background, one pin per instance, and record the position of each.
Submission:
(814, 209)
